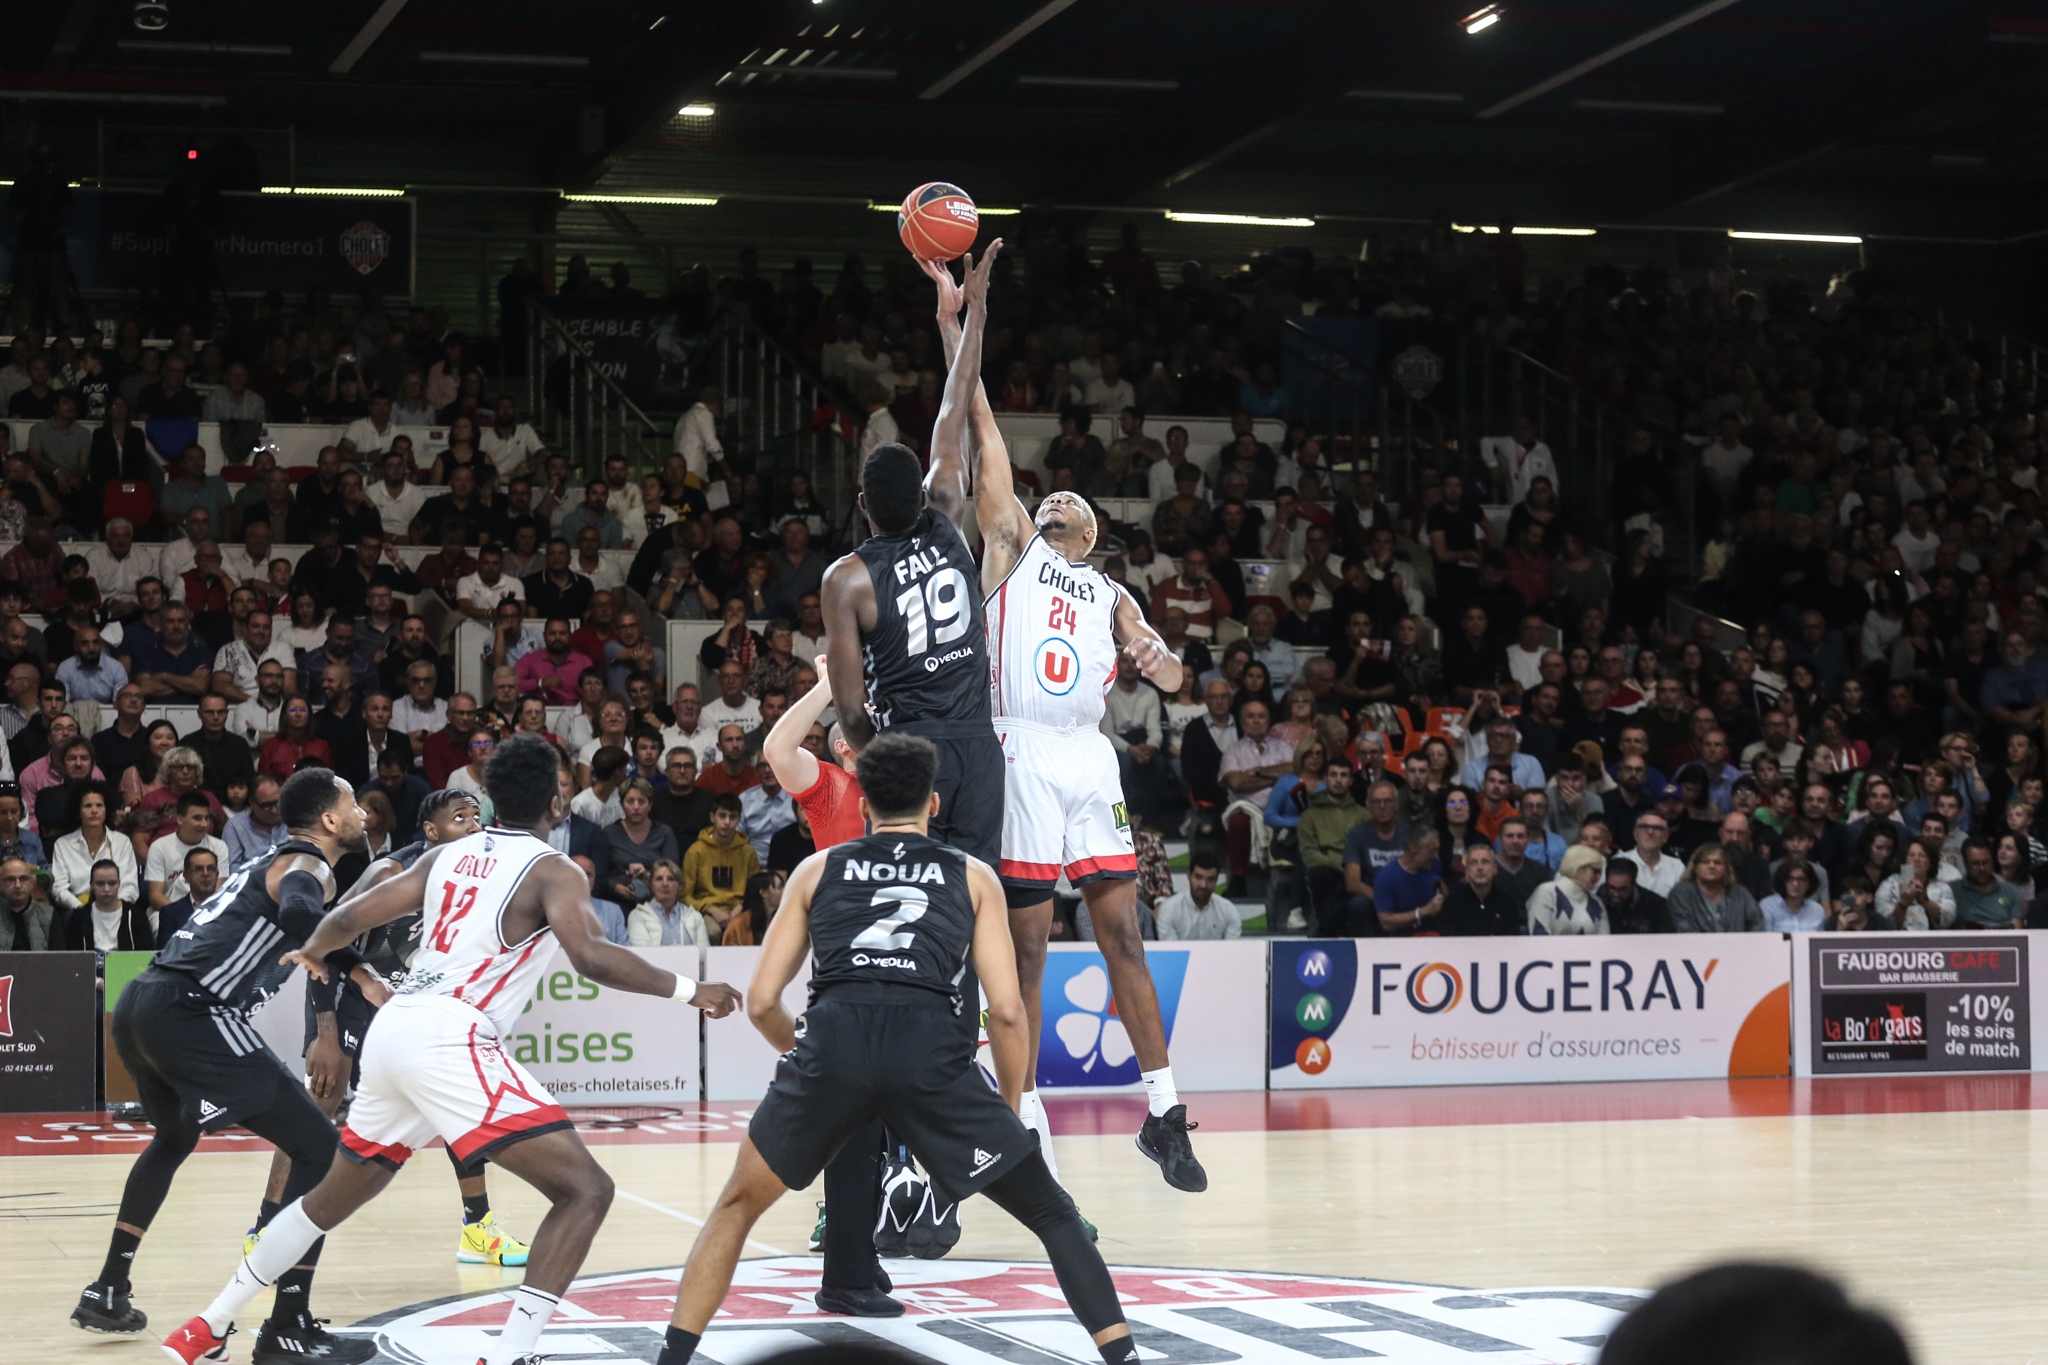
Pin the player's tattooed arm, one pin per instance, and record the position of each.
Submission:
(782, 953)
(1146, 646)
(995, 962)
(848, 607)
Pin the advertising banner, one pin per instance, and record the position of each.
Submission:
(1911, 1002)
(643, 345)
(1211, 1000)
(590, 1045)
(47, 1032)
(1489, 1011)
(119, 239)
(117, 970)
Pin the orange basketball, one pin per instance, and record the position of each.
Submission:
(937, 222)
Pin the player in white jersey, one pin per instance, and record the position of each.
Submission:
(1055, 627)
(495, 905)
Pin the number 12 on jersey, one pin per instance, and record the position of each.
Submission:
(934, 612)
(452, 913)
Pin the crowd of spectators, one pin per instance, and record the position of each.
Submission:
(287, 618)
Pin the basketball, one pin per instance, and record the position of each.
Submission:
(937, 222)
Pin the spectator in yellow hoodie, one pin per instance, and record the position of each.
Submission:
(717, 866)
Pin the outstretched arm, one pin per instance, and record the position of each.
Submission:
(796, 767)
(1147, 647)
(945, 485)
(848, 606)
(564, 892)
(1004, 522)
(364, 911)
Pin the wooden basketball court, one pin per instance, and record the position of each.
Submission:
(1928, 1196)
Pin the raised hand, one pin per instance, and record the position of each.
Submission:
(978, 273)
(949, 289)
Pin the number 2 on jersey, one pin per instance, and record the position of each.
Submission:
(937, 609)
(1063, 618)
(445, 922)
(910, 906)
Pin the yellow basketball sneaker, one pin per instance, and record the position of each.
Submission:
(483, 1244)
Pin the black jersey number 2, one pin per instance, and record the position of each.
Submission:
(937, 608)
(907, 905)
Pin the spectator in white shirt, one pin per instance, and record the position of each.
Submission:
(1520, 458)
(1656, 870)
(235, 668)
(477, 595)
(249, 562)
(697, 433)
(372, 435)
(734, 706)
(119, 564)
(419, 712)
(397, 499)
(1282, 665)
(164, 868)
(1198, 913)
(1106, 393)
(508, 442)
(1728, 456)
(881, 428)
(1525, 655)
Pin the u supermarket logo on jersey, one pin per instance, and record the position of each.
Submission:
(965, 1312)
(1084, 1040)
(1059, 667)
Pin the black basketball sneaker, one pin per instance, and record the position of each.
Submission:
(1164, 1138)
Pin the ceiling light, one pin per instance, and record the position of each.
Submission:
(657, 23)
(1238, 219)
(1099, 82)
(696, 111)
(503, 59)
(1795, 237)
(1527, 231)
(1407, 96)
(686, 200)
(1646, 107)
(851, 73)
(1478, 21)
(346, 191)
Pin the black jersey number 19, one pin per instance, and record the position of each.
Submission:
(937, 606)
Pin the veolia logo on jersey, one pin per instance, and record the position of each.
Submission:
(1059, 667)
(967, 1312)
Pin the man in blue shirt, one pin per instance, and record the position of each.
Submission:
(1410, 890)
(1549, 851)
(596, 512)
(178, 667)
(1503, 742)
(89, 674)
(2014, 689)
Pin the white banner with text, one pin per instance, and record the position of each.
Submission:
(1491, 1011)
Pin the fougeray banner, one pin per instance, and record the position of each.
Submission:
(1913, 1002)
(1489, 1011)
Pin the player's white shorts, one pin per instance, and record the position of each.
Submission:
(434, 1067)
(1063, 808)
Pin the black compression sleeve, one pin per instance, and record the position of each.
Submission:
(1028, 1193)
(301, 904)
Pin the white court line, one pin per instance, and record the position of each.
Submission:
(695, 1222)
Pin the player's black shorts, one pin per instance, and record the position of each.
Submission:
(352, 1016)
(182, 1046)
(970, 787)
(858, 1060)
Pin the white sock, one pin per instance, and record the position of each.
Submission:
(284, 1241)
(1031, 1109)
(1160, 1095)
(531, 1309)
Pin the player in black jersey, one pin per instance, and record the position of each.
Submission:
(182, 1028)
(904, 624)
(905, 629)
(334, 1039)
(891, 922)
